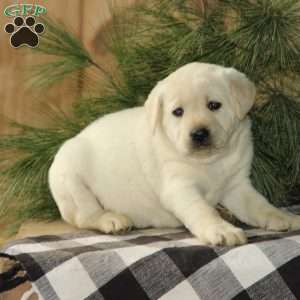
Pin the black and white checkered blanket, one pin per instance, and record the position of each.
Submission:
(160, 264)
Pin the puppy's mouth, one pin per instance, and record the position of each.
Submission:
(204, 147)
(207, 148)
(215, 143)
(201, 148)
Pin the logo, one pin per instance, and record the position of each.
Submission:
(24, 29)
(24, 10)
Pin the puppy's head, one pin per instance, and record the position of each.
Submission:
(199, 106)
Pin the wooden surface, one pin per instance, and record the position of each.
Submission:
(18, 100)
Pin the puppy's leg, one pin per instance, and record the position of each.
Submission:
(187, 204)
(251, 207)
(79, 206)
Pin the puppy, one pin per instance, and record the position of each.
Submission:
(169, 163)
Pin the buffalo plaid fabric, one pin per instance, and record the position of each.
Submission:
(160, 264)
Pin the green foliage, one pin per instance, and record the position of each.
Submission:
(25, 161)
(68, 53)
(260, 38)
(276, 163)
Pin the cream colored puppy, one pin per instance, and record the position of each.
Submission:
(169, 163)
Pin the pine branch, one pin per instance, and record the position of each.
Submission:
(67, 52)
(24, 177)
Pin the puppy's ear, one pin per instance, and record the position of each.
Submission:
(242, 90)
(153, 106)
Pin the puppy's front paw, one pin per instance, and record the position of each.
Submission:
(280, 221)
(113, 223)
(295, 222)
(221, 234)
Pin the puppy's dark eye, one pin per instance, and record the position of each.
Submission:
(178, 112)
(214, 105)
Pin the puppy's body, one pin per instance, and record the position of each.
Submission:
(117, 162)
(125, 171)
(138, 166)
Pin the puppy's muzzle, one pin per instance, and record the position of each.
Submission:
(200, 137)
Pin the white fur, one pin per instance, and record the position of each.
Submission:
(139, 168)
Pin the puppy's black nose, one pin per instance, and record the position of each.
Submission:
(200, 135)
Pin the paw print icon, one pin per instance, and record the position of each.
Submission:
(24, 32)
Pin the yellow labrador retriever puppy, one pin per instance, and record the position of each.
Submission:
(169, 163)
